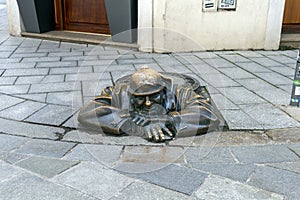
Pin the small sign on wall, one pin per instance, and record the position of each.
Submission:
(227, 4)
(209, 5)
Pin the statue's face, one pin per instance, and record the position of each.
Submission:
(148, 104)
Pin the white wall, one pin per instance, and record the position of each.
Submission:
(13, 17)
(187, 28)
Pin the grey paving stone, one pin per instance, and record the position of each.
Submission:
(51, 114)
(287, 88)
(9, 143)
(78, 58)
(71, 70)
(40, 59)
(164, 62)
(21, 111)
(27, 186)
(96, 62)
(14, 89)
(275, 96)
(72, 98)
(5, 54)
(236, 73)
(18, 65)
(28, 55)
(266, 62)
(9, 60)
(94, 88)
(26, 50)
(66, 54)
(249, 54)
(189, 59)
(269, 116)
(219, 63)
(285, 71)
(72, 122)
(274, 78)
(11, 157)
(238, 172)
(207, 155)
(8, 171)
(7, 80)
(264, 154)
(53, 78)
(219, 80)
(283, 59)
(253, 67)
(104, 154)
(87, 76)
(239, 120)
(203, 69)
(288, 166)
(141, 190)
(47, 148)
(153, 66)
(7, 101)
(256, 84)
(153, 154)
(295, 148)
(11, 48)
(240, 95)
(175, 178)
(47, 167)
(53, 87)
(222, 102)
(276, 180)
(29, 79)
(206, 55)
(25, 72)
(29, 42)
(35, 97)
(114, 68)
(235, 58)
(222, 188)
(242, 138)
(102, 183)
(71, 45)
(57, 64)
(29, 130)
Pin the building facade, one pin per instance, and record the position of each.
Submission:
(183, 26)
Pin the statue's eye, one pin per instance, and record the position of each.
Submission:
(155, 98)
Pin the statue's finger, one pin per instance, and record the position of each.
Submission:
(140, 121)
(166, 130)
(155, 134)
(145, 122)
(149, 134)
(161, 134)
(135, 119)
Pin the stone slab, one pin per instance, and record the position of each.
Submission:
(47, 167)
(7, 101)
(222, 188)
(94, 180)
(8, 171)
(208, 155)
(21, 111)
(27, 186)
(286, 135)
(288, 166)
(242, 138)
(7, 80)
(41, 97)
(72, 98)
(264, 154)
(53, 87)
(104, 154)
(238, 172)
(9, 142)
(14, 89)
(11, 157)
(47, 148)
(29, 130)
(275, 180)
(253, 67)
(141, 190)
(149, 154)
(175, 178)
(236, 73)
(52, 114)
(25, 72)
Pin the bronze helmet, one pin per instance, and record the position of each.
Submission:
(145, 81)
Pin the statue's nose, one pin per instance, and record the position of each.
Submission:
(148, 102)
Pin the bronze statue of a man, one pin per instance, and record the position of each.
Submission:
(154, 105)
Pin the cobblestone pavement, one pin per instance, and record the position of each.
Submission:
(44, 156)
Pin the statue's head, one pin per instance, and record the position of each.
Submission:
(146, 90)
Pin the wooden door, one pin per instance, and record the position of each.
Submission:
(81, 15)
(291, 17)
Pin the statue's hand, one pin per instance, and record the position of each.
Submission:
(158, 132)
(141, 120)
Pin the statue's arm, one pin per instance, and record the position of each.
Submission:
(98, 114)
(196, 117)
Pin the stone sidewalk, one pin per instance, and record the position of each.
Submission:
(43, 154)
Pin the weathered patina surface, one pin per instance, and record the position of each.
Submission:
(158, 106)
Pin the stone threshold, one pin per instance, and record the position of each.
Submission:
(78, 37)
(291, 40)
